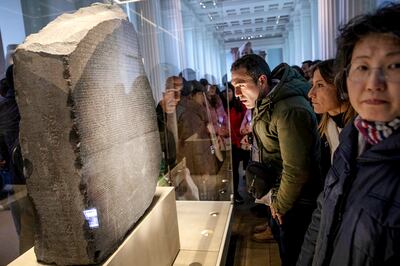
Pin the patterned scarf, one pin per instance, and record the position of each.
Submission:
(375, 132)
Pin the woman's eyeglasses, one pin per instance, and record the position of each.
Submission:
(360, 73)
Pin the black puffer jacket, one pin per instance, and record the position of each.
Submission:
(358, 217)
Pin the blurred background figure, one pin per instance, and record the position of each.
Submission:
(236, 111)
(217, 112)
(305, 66)
(245, 49)
(11, 170)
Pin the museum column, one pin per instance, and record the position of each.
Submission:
(172, 32)
(305, 26)
(148, 17)
(208, 41)
(190, 44)
(200, 53)
(291, 44)
(332, 14)
(221, 61)
(327, 28)
(219, 52)
(348, 9)
(285, 47)
(314, 29)
(298, 38)
(213, 48)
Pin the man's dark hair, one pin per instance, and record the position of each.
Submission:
(204, 82)
(308, 62)
(196, 87)
(384, 20)
(255, 66)
(316, 62)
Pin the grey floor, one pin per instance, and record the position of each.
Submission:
(9, 244)
(247, 252)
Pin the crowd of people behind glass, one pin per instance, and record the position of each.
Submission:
(351, 138)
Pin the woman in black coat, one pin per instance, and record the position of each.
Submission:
(358, 218)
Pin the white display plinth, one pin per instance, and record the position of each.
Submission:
(153, 242)
(203, 228)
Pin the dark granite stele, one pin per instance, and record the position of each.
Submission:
(89, 135)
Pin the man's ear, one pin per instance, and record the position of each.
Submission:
(262, 80)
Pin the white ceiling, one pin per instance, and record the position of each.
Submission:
(237, 20)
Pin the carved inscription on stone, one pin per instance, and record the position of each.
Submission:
(89, 130)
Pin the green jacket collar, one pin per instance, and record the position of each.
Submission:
(286, 83)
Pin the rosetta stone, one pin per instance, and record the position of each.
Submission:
(88, 133)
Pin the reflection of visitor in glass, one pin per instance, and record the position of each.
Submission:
(236, 111)
(216, 111)
(246, 131)
(172, 94)
(167, 118)
(220, 121)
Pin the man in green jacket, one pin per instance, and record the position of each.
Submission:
(285, 128)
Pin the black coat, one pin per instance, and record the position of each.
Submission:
(358, 217)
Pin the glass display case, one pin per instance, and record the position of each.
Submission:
(186, 66)
(203, 135)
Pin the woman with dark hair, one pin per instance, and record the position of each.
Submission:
(217, 112)
(236, 111)
(358, 217)
(329, 102)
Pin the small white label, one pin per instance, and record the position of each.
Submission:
(91, 217)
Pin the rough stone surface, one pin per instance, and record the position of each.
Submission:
(88, 133)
